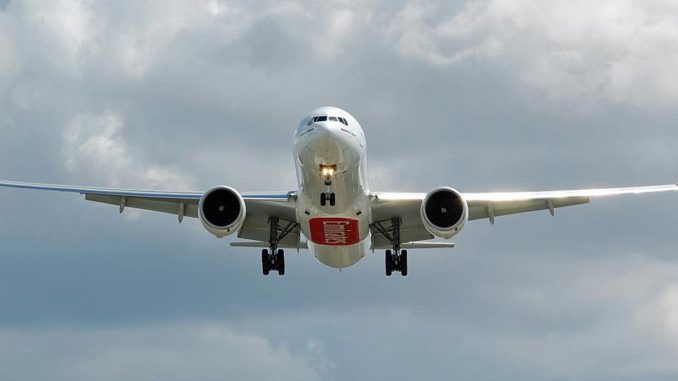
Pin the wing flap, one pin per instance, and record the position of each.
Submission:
(419, 245)
(256, 227)
(264, 245)
(489, 209)
(164, 205)
(386, 206)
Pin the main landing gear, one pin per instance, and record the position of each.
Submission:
(396, 262)
(270, 261)
(395, 259)
(274, 258)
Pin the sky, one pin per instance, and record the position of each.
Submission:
(478, 95)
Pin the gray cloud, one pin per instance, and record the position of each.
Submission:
(205, 351)
(95, 145)
(621, 51)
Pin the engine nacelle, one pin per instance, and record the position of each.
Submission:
(444, 212)
(222, 211)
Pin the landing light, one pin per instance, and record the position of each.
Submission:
(326, 172)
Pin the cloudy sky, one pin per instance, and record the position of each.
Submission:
(479, 95)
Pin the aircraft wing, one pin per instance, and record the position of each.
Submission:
(488, 205)
(260, 206)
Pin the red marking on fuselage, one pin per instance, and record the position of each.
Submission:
(334, 231)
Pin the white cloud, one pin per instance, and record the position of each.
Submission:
(618, 50)
(140, 36)
(614, 317)
(58, 31)
(131, 40)
(197, 351)
(421, 39)
(95, 149)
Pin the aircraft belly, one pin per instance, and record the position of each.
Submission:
(337, 239)
(340, 256)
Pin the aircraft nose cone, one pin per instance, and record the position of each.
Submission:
(324, 127)
(326, 131)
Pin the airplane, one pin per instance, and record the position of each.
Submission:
(335, 210)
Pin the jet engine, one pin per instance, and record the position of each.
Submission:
(222, 211)
(444, 212)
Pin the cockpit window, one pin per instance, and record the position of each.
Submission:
(325, 118)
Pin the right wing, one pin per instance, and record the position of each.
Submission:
(406, 206)
(260, 206)
(491, 205)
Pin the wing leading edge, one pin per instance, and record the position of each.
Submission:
(490, 205)
(260, 206)
(407, 206)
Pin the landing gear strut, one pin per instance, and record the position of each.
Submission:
(274, 259)
(396, 259)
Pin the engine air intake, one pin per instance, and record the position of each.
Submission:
(444, 212)
(222, 211)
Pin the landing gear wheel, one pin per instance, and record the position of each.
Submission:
(388, 262)
(403, 263)
(265, 262)
(280, 259)
(331, 199)
(394, 259)
(323, 199)
(274, 258)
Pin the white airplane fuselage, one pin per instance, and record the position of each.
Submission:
(333, 207)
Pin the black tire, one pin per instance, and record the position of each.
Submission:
(265, 262)
(323, 199)
(388, 262)
(331, 199)
(281, 261)
(403, 263)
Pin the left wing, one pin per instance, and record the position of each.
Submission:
(260, 206)
(488, 205)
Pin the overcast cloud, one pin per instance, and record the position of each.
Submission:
(478, 95)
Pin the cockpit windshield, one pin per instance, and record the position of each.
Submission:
(325, 118)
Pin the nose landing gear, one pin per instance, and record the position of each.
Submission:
(327, 197)
(327, 174)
